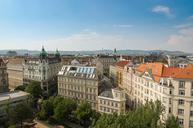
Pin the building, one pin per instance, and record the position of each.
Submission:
(15, 71)
(103, 63)
(11, 99)
(43, 69)
(173, 86)
(178, 61)
(112, 101)
(84, 60)
(4, 86)
(79, 82)
(116, 72)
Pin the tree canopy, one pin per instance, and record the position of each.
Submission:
(145, 116)
(34, 89)
(19, 113)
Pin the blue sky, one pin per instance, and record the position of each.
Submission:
(96, 24)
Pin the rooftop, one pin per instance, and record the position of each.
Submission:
(122, 63)
(159, 70)
(79, 71)
(12, 95)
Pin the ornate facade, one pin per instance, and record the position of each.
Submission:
(4, 86)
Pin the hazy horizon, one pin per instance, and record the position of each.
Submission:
(84, 25)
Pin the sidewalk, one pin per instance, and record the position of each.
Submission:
(42, 124)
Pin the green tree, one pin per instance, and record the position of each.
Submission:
(145, 116)
(64, 109)
(20, 87)
(34, 89)
(172, 122)
(47, 110)
(19, 113)
(84, 112)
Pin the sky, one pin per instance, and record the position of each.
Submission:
(96, 24)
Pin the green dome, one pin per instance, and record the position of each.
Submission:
(43, 53)
(57, 54)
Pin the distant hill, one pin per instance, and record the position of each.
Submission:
(122, 52)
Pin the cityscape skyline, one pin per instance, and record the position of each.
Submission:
(95, 25)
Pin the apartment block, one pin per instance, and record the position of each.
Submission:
(112, 101)
(80, 83)
(43, 69)
(4, 85)
(15, 71)
(173, 86)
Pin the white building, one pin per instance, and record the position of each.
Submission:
(43, 69)
(112, 101)
(173, 86)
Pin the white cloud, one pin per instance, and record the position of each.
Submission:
(183, 39)
(123, 25)
(163, 9)
(190, 17)
(186, 25)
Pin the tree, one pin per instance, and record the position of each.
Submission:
(19, 113)
(145, 116)
(47, 110)
(172, 122)
(34, 89)
(84, 112)
(64, 109)
(20, 88)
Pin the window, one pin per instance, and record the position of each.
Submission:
(191, 93)
(170, 110)
(180, 102)
(181, 121)
(181, 92)
(192, 85)
(170, 91)
(170, 101)
(116, 105)
(191, 124)
(191, 103)
(191, 113)
(181, 84)
(180, 111)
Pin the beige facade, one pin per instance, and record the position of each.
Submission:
(80, 83)
(4, 85)
(151, 82)
(112, 101)
(103, 63)
(15, 72)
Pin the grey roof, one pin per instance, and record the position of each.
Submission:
(79, 71)
(107, 93)
(12, 95)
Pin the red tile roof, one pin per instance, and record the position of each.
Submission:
(122, 63)
(160, 70)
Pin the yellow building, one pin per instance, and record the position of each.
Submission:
(116, 72)
(15, 71)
